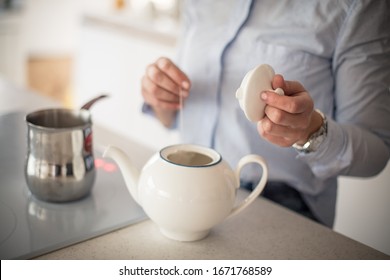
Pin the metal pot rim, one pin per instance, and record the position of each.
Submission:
(82, 118)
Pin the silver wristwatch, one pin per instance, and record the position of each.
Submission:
(315, 139)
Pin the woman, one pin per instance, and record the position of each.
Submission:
(335, 71)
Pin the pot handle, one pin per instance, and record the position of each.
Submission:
(260, 186)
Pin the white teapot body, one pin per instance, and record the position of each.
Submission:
(187, 189)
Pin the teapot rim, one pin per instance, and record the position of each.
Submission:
(209, 152)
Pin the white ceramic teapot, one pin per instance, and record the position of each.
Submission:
(187, 189)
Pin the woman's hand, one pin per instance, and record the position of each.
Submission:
(162, 85)
(290, 118)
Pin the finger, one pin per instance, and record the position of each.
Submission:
(173, 72)
(158, 92)
(289, 87)
(286, 132)
(278, 82)
(281, 117)
(293, 87)
(158, 97)
(276, 134)
(294, 105)
(160, 79)
(274, 139)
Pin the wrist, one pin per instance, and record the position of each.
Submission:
(316, 136)
(166, 117)
(315, 124)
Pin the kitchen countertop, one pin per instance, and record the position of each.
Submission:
(262, 231)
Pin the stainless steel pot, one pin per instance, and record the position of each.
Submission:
(60, 163)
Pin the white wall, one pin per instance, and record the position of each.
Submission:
(363, 210)
(51, 26)
(37, 27)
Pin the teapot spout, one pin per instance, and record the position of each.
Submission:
(129, 171)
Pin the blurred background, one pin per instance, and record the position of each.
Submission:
(73, 50)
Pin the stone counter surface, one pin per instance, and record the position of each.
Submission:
(262, 231)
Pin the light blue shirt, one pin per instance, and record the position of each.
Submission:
(338, 50)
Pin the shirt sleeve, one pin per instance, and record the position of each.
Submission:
(358, 139)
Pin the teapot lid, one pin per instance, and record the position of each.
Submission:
(255, 81)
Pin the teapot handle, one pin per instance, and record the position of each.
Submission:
(260, 186)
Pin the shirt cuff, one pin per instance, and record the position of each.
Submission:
(333, 155)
